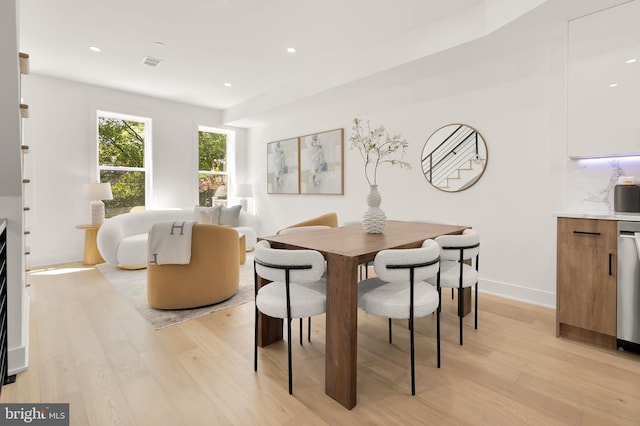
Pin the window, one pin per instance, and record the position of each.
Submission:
(213, 177)
(123, 150)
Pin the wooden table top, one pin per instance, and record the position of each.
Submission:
(353, 241)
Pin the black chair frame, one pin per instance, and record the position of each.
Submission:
(287, 269)
(461, 260)
(412, 267)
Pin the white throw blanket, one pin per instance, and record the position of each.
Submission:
(170, 243)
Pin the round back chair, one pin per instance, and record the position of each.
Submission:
(296, 289)
(460, 255)
(399, 290)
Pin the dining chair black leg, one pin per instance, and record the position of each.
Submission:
(390, 330)
(301, 327)
(438, 318)
(309, 330)
(413, 371)
(438, 334)
(460, 314)
(451, 293)
(476, 307)
(289, 356)
(255, 343)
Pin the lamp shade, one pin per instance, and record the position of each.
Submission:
(244, 190)
(98, 191)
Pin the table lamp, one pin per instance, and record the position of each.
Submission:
(244, 191)
(96, 192)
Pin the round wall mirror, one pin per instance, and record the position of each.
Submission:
(454, 157)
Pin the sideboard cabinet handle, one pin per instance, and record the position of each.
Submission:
(610, 262)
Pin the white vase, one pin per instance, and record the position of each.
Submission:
(374, 219)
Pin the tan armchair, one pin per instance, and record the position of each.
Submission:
(329, 220)
(212, 276)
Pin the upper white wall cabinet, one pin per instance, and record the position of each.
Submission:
(603, 82)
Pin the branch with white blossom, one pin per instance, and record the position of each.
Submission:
(377, 147)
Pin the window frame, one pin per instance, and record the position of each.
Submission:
(147, 153)
(230, 159)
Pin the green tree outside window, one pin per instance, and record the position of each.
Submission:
(212, 167)
(121, 146)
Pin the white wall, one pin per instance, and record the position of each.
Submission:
(514, 97)
(62, 133)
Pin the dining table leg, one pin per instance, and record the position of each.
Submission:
(342, 329)
(269, 328)
(466, 301)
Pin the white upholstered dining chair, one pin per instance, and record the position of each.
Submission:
(460, 257)
(297, 229)
(400, 292)
(319, 223)
(438, 222)
(296, 290)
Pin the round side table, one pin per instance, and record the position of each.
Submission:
(91, 253)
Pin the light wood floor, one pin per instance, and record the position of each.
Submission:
(92, 349)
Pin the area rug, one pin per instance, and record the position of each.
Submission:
(132, 285)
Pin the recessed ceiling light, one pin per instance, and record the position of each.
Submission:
(159, 44)
(291, 49)
(613, 85)
(630, 61)
(227, 84)
(94, 48)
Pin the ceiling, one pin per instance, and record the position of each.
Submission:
(204, 44)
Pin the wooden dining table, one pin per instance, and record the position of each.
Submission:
(345, 248)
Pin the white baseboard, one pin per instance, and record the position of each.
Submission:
(515, 292)
(37, 261)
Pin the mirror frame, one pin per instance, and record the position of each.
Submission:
(443, 136)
